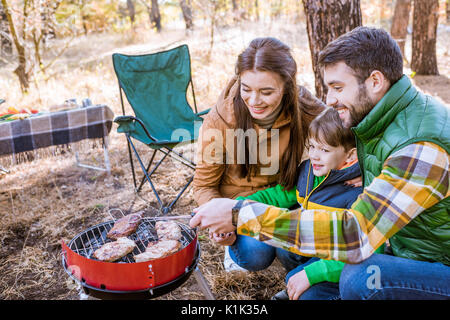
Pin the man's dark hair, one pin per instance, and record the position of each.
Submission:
(364, 50)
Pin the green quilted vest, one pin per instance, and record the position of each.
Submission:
(404, 116)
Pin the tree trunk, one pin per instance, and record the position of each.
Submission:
(276, 7)
(213, 13)
(382, 11)
(447, 10)
(84, 16)
(5, 41)
(234, 4)
(48, 10)
(400, 20)
(425, 20)
(299, 12)
(257, 10)
(155, 16)
(325, 21)
(20, 71)
(131, 10)
(187, 13)
(248, 9)
(239, 12)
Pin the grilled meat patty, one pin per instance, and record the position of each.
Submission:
(115, 250)
(158, 249)
(125, 226)
(168, 230)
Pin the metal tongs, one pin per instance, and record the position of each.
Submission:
(186, 216)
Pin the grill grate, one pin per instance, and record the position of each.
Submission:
(93, 238)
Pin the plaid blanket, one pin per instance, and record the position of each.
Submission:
(55, 128)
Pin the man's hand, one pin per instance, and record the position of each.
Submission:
(215, 215)
(297, 284)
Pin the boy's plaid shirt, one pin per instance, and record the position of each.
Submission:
(413, 179)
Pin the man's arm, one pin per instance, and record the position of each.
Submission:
(412, 180)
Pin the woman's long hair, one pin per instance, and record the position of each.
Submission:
(270, 54)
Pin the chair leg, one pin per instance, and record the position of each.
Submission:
(146, 175)
(167, 209)
(189, 163)
(131, 159)
(153, 170)
(180, 193)
(148, 168)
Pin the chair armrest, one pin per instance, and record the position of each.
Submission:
(201, 113)
(124, 119)
(127, 121)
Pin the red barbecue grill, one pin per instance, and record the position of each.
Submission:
(125, 278)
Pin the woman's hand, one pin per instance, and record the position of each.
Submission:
(297, 284)
(214, 215)
(224, 239)
(357, 182)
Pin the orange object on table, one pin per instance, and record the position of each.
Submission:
(13, 110)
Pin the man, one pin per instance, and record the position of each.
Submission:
(403, 145)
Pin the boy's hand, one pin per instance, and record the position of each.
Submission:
(297, 284)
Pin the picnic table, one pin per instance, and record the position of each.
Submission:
(57, 128)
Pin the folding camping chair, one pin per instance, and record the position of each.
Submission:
(156, 86)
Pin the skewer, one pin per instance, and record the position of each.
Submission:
(186, 216)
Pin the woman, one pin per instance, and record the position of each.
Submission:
(263, 95)
(263, 103)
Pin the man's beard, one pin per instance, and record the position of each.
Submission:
(361, 110)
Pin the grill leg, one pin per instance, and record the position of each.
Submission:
(83, 293)
(203, 284)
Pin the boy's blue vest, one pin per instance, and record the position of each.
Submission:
(331, 193)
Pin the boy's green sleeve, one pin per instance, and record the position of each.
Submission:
(327, 270)
(275, 196)
(324, 270)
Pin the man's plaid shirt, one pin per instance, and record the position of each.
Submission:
(412, 180)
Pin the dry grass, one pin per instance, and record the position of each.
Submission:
(49, 199)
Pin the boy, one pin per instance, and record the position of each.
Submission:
(322, 183)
